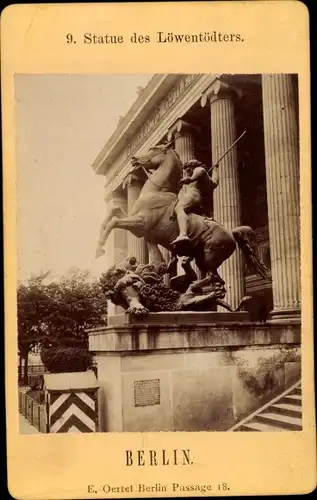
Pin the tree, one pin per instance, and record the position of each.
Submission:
(57, 313)
(67, 359)
(32, 306)
(77, 303)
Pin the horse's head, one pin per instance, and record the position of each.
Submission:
(154, 157)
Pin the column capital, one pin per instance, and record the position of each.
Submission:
(180, 128)
(219, 90)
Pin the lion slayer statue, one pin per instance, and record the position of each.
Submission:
(209, 244)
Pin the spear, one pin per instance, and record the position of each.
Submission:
(229, 149)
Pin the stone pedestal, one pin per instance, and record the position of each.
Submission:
(173, 377)
(282, 177)
(71, 402)
(181, 318)
(227, 208)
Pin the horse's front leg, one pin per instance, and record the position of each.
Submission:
(114, 211)
(128, 223)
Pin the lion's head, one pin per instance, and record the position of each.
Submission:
(118, 276)
(138, 288)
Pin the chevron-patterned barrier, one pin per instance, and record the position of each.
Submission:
(73, 412)
(71, 402)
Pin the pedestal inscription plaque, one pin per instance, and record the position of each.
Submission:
(147, 392)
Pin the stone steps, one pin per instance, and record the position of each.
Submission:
(283, 413)
(287, 409)
(294, 399)
(258, 426)
(283, 421)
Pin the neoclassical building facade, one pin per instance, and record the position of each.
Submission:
(258, 179)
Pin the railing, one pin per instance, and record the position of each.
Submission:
(33, 411)
(35, 380)
(36, 369)
(35, 375)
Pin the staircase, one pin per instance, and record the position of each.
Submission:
(283, 413)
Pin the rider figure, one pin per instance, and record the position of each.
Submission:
(198, 197)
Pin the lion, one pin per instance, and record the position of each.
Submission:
(140, 289)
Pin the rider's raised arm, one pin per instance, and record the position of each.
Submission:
(215, 175)
(198, 173)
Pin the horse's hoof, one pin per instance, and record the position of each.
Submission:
(182, 246)
(99, 253)
(179, 239)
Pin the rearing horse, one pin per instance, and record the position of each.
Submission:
(153, 218)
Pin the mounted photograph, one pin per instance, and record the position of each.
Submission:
(158, 227)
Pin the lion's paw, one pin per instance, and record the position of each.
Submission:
(138, 311)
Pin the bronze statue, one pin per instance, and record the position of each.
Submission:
(140, 289)
(153, 217)
(197, 198)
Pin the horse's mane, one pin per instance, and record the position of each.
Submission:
(175, 152)
(169, 145)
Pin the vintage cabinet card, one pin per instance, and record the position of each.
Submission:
(158, 263)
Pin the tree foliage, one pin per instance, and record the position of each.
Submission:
(56, 313)
(32, 305)
(66, 359)
(77, 303)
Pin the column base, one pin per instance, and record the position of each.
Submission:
(285, 315)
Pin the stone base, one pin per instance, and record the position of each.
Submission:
(286, 316)
(179, 318)
(169, 377)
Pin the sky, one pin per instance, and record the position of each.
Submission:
(63, 122)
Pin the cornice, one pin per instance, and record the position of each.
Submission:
(120, 167)
(155, 90)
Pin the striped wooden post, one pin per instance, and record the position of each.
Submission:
(72, 402)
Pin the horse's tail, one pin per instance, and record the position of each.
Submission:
(246, 239)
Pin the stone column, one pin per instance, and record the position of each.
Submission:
(136, 246)
(116, 246)
(282, 180)
(117, 249)
(227, 209)
(182, 132)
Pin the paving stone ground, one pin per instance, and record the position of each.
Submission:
(26, 427)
